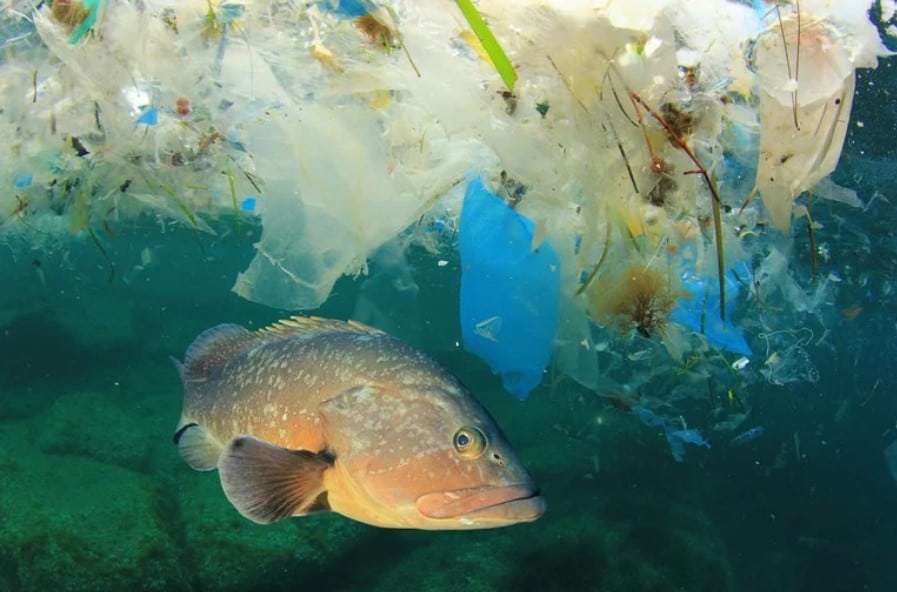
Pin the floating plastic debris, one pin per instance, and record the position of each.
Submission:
(149, 117)
(308, 116)
(699, 311)
(23, 180)
(509, 293)
(248, 204)
(891, 459)
(676, 434)
(747, 436)
(679, 438)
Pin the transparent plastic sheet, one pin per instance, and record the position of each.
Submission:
(292, 117)
(891, 459)
(787, 359)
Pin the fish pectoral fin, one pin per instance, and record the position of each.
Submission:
(197, 447)
(267, 483)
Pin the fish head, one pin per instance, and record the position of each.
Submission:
(427, 457)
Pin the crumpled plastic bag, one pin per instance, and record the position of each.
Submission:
(510, 291)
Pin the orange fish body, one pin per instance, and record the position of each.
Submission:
(312, 415)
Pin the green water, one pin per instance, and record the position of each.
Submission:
(96, 498)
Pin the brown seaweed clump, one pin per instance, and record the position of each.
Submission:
(640, 298)
(71, 13)
(376, 31)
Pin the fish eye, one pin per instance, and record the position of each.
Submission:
(469, 442)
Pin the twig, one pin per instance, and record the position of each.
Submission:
(788, 59)
(715, 202)
(595, 269)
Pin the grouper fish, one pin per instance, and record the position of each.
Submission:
(312, 415)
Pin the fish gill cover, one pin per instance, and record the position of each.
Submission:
(654, 147)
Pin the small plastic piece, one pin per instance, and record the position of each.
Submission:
(346, 8)
(23, 180)
(149, 117)
(700, 311)
(676, 438)
(679, 438)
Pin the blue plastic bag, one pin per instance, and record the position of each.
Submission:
(700, 312)
(510, 292)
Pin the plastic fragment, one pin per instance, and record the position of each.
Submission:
(346, 8)
(679, 438)
(891, 459)
(700, 313)
(747, 436)
(509, 293)
(676, 438)
(149, 117)
(23, 180)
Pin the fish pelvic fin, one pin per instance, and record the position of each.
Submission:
(267, 483)
(197, 447)
(296, 325)
(213, 348)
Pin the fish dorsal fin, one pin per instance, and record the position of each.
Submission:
(315, 325)
(267, 483)
(213, 348)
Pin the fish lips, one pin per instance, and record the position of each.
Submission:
(485, 505)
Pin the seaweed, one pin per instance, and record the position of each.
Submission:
(700, 170)
(496, 54)
(640, 299)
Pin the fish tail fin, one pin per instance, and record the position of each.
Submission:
(267, 483)
(197, 447)
(214, 347)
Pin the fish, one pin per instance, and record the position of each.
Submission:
(312, 414)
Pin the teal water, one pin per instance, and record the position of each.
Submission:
(94, 496)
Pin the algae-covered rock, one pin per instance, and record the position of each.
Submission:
(230, 553)
(74, 524)
(110, 428)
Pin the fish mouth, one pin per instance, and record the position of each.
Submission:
(482, 507)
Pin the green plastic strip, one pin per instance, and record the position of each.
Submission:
(490, 43)
(95, 6)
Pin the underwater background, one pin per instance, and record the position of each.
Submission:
(95, 497)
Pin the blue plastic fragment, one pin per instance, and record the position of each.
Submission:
(95, 7)
(649, 418)
(23, 180)
(747, 436)
(679, 438)
(510, 293)
(700, 312)
(248, 204)
(149, 116)
(233, 140)
(347, 8)
(228, 13)
(676, 438)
